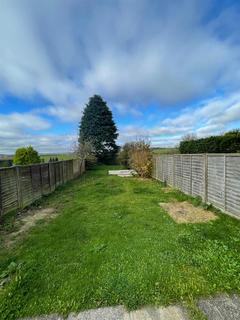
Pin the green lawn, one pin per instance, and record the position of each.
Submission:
(112, 244)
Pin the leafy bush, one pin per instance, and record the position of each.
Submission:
(227, 143)
(24, 156)
(124, 154)
(138, 156)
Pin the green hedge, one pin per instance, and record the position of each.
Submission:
(227, 143)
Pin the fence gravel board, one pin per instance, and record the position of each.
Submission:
(213, 177)
(22, 185)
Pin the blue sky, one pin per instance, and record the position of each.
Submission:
(165, 68)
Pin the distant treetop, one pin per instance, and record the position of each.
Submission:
(25, 156)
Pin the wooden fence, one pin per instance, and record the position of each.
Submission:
(213, 177)
(22, 185)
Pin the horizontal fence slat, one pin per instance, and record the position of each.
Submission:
(22, 185)
(213, 177)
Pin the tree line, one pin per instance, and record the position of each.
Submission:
(226, 143)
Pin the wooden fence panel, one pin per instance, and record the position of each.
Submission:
(52, 179)
(170, 170)
(64, 171)
(8, 189)
(198, 166)
(57, 174)
(178, 171)
(45, 179)
(213, 177)
(25, 182)
(233, 185)
(36, 181)
(22, 185)
(186, 174)
(216, 182)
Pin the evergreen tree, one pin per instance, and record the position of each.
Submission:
(98, 128)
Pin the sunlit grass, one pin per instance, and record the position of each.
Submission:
(112, 244)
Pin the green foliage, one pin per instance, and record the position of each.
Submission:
(97, 127)
(112, 244)
(227, 143)
(25, 156)
(124, 154)
(138, 156)
(5, 163)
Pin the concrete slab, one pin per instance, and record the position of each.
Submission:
(122, 173)
(111, 313)
(221, 308)
(168, 313)
(120, 313)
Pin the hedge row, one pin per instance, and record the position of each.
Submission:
(227, 143)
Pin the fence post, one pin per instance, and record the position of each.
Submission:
(206, 178)
(19, 189)
(191, 174)
(1, 204)
(182, 172)
(224, 182)
(173, 170)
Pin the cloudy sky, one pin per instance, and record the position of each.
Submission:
(165, 68)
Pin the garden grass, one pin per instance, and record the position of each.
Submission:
(112, 244)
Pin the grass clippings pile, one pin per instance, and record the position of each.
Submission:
(185, 212)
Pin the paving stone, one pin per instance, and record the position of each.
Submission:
(168, 313)
(120, 313)
(221, 308)
(111, 313)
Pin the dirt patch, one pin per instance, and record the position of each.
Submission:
(185, 212)
(167, 190)
(27, 221)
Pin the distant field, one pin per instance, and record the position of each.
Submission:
(60, 156)
(165, 150)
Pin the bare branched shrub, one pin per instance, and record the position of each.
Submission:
(85, 151)
(140, 158)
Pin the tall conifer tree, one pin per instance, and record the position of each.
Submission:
(98, 128)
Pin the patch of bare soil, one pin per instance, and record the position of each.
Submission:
(167, 189)
(27, 221)
(185, 212)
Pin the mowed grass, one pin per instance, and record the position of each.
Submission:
(112, 244)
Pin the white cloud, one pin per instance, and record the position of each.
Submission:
(213, 116)
(133, 52)
(129, 51)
